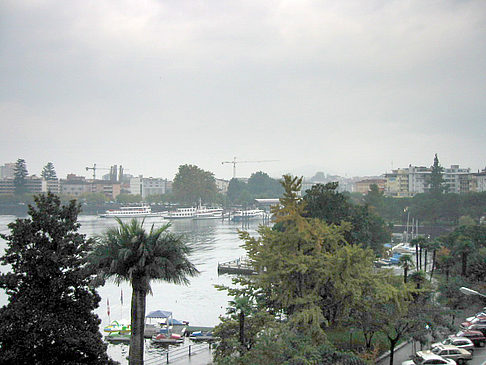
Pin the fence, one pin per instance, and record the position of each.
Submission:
(178, 353)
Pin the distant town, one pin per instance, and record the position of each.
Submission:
(402, 182)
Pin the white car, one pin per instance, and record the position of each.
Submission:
(455, 353)
(428, 358)
(461, 342)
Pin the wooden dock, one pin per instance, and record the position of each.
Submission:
(238, 266)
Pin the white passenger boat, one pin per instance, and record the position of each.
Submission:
(208, 213)
(199, 213)
(181, 213)
(248, 214)
(131, 212)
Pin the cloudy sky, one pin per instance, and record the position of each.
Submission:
(346, 87)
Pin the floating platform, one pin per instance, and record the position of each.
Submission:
(240, 267)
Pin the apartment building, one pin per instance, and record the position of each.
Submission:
(7, 170)
(146, 186)
(478, 181)
(397, 183)
(364, 186)
(33, 185)
(458, 180)
(413, 180)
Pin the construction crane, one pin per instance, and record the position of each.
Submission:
(113, 170)
(94, 168)
(234, 162)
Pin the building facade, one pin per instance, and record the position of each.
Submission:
(364, 186)
(147, 186)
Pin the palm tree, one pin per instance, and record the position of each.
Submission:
(406, 262)
(434, 246)
(463, 246)
(130, 253)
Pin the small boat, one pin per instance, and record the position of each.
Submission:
(200, 336)
(248, 214)
(167, 338)
(141, 211)
(118, 337)
(121, 327)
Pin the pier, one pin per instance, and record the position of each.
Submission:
(238, 266)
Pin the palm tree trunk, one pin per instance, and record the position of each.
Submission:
(405, 272)
(138, 325)
(433, 265)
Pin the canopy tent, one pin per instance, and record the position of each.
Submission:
(159, 314)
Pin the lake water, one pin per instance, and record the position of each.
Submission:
(212, 241)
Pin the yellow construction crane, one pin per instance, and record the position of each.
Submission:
(234, 162)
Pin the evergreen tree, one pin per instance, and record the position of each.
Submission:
(49, 318)
(48, 172)
(20, 173)
(436, 178)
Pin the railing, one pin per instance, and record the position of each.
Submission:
(178, 353)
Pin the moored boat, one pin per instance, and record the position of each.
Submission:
(248, 214)
(203, 212)
(131, 212)
(181, 213)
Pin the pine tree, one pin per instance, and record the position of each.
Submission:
(20, 173)
(49, 317)
(436, 178)
(48, 172)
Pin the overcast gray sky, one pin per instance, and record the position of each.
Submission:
(345, 87)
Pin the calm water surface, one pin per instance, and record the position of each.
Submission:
(199, 303)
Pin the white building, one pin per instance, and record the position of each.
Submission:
(7, 170)
(418, 177)
(222, 185)
(457, 180)
(478, 183)
(146, 186)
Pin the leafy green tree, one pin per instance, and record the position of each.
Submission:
(437, 185)
(49, 318)
(375, 198)
(263, 186)
(192, 184)
(238, 192)
(94, 198)
(281, 344)
(404, 318)
(48, 172)
(326, 203)
(20, 173)
(130, 253)
(126, 199)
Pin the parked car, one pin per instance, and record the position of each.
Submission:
(479, 314)
(475, 320)
(428, 358)
(477, 337)
(460, 356)
(478, 327)
(461, 342)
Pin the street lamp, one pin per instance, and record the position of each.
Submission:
(468, 291)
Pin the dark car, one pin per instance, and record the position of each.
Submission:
(477, 337)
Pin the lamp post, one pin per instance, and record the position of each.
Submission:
(468, 291)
